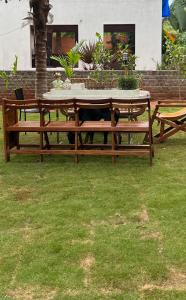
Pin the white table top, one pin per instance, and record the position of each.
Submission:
(96, 94)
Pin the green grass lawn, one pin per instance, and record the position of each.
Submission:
(94, 230)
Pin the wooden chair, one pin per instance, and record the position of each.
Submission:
(19, 93)
(170, 122)
(13, 126)
(59, 125)
(131, 127)
(96, 124)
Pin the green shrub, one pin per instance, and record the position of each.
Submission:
(128, 82)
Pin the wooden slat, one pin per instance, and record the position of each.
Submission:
(136, 126)
(61, 124)
(64, 126)
(25, 126)
(133, 152)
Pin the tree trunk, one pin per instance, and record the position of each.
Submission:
(41, 64)
(40, 9)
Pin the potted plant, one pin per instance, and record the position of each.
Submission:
(69, 62)
(129, 83)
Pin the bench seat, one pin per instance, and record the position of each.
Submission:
(60, 126)
(25, 126)
(95, 126)
(137, 126)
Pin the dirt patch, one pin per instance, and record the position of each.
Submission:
(72, 293)
(109, 291)
(21, 294)
(82, 242)
(22, 193)
(86, 264)
(101, 292)
(32, 293)
(27, 233)
(99, 223)
(176, 281)
(41, 177)
(91, 230)
(115, 221)
(143, 216)
(152, 235)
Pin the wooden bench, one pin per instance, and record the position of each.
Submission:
(12, 128)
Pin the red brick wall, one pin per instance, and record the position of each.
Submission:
(161, 84)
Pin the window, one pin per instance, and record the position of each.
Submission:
(119, 34)
(60, 39)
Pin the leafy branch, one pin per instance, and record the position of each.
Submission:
(70, 61)
(6, 77)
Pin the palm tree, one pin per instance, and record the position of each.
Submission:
(40, 11)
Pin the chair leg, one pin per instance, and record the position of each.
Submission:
(25, 117)
(17, 141)
(91, 137)
(80, 139)
(20, 114)
(151, 153)
(119, 138)
(113, 146)
(57, 118)
(162, 128)
(57, 114)
(41, 145)
(58, 137)
(86, 140)
(129, 138)
(6, 147)
(47, 140)
(7, 156)
(150, 157)
(105, 138)
(115, 138)
(76, 147)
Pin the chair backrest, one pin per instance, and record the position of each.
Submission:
(131, 106)
(19, 94)
(56, 104)
(171, 103)
(20, 104)
(91, 103)
(11, 107)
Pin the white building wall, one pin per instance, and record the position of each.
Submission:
(90, 16)
(14, 40)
